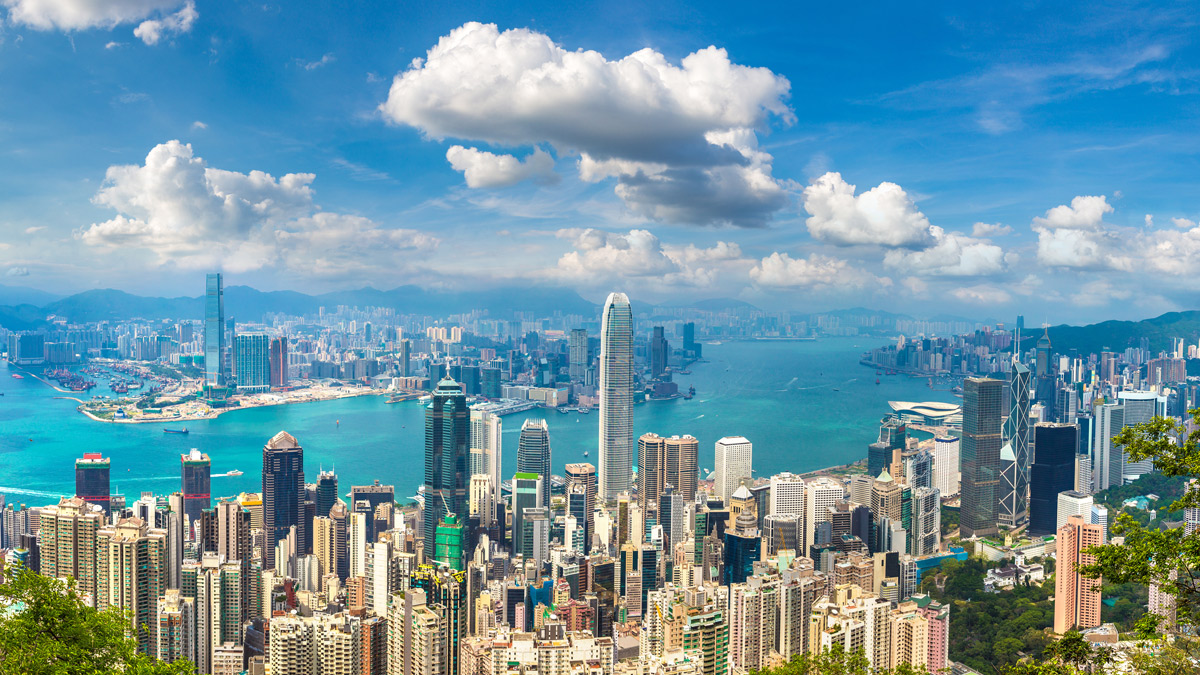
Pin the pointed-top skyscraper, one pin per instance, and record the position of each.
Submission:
(616, 396)
(1014, 485)
(447, 438)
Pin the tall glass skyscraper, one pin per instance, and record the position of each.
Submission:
(447, 440)
(980, 452)
(1052, 473)
(214, 332)
(283, 490)
(1014, 489)
(533, 455)
(616, 396)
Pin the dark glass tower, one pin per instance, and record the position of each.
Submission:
(893, 436)
(91, 480)
(1052, 473)
(980, 447)
(327, 492)
(533, 455)
(741, 552)
(282, 491)
(196, 469)
(214, 331)
(447, 440)
(659, 350)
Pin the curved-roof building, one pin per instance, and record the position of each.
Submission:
(933, 413)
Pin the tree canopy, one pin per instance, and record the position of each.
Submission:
(45, 629)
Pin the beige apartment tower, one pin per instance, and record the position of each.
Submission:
(1076, 599)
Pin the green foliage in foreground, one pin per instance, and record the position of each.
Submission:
(1168, 558)
(44, 629)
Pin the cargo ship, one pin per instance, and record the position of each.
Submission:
(175, 431)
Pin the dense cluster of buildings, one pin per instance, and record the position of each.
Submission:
(638, 564)
(655, 571)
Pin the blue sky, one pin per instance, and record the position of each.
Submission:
(1036, 158)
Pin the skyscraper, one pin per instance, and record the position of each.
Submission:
(577, 354)
(447, 436)
(533, 454)
(282, 491)
(616, 396)
(1014, 492)
(279, 361)
(659, 352)
(885, 452)
(131, 571)
(584, 475)
(196, 469)
(253, 354)
(1076, 599)
(526, 495)
(682, 465)
(67, 534)
(214, 332)
(486, 429)
(327, 492)
(980, 445)
(733, 457)
(91, 480)
(652, 451)
(1051, 474)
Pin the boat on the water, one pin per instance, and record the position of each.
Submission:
(234, 472)
(18, 376)
(175, 431)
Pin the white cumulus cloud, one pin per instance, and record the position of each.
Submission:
(679, 139)
(191, 215)
(952, 255)
(151, 31)
(984, 230)
(817, 271)
(483, 169)
(601, 255)
(158, 17)
(1075, 235)
(884, 215)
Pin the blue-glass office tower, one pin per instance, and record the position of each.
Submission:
(447, 441)
(741, 552)
(214, 332)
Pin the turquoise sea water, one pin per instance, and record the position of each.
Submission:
(804, 405)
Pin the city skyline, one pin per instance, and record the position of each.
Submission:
(599, 338)
(345, 166)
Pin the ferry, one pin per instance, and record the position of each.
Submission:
(234, 472)
(18, 376)
(175, 431)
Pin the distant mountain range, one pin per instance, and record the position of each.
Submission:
(24, 308)
(1118, 335)
(249, 304)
